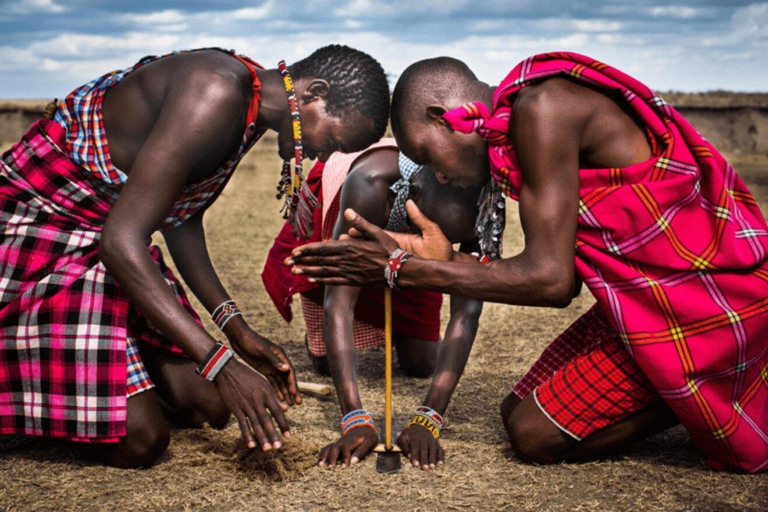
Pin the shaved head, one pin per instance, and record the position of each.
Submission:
(427, 82)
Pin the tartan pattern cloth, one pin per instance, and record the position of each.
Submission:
(86, 143)
(595, 390)
(588, 331)
(365, 334)
(398, 216)
(674, 250)
(138, 379)
(64, 322)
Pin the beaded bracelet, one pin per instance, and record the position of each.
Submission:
(426, 422)
(224, 313)
(356, 419)
(394, 264)
(214, 361)
(432, 414)
(482, 258)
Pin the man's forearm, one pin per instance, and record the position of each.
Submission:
(454, 354)
(189, 251)
(338, 332)
(509, 281)
(138, 275)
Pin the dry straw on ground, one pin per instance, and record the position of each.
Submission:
(207, 469)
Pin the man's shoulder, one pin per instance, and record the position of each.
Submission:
(211, 73)
(375, 168)
(552, 99)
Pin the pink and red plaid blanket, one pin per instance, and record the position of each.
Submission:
(63, 319)
(675, 251)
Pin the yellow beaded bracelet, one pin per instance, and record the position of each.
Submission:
(426, 423)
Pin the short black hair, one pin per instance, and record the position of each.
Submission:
(357, 82)
(426, 81)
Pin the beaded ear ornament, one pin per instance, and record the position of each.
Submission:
(300, 202)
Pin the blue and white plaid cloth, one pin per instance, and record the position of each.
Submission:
(398, 217)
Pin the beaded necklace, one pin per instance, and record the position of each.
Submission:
(300, 203)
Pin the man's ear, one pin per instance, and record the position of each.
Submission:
(435, 113)
(317, 89)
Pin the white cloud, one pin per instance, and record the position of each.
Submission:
(34, 6)
(156, 18)
(676, 11)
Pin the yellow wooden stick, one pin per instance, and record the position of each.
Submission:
(388, 368)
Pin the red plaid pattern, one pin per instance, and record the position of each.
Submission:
(64, 321)
(590, 330)
(366, 335)
(138, 379)
(674, 249)
(595, 390)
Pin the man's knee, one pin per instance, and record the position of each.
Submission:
(508, 406)
(534, 438)
(416, 358)
(212, 410)
(142, 447)
(418, 369)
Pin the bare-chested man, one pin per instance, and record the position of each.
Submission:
(660, 227)
(84, 300)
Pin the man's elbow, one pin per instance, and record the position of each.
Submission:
(113, 249)
(558, 293)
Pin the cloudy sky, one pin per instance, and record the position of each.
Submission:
(47, 47)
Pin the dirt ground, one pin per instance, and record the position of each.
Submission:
(207, 470)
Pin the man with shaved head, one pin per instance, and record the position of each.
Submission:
(615, 188)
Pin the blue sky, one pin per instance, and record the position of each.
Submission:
(48, 47)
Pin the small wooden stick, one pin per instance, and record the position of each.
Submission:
(382, 448)
(315, 389)
(388, 368)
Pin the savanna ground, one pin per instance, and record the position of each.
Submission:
(208, 470)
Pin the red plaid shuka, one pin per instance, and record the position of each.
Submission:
(675, 250)
(63, 320)
(586, 380)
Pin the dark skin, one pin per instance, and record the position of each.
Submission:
(366, 189)
(163, 136)
(557, 127)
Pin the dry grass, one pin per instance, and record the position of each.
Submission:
(208, 470)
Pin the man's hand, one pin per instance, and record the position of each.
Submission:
(429, 244)
(270, 360)
(359, 258)
(251, 400)
(421, 447)
(352, 261)
(350, 449)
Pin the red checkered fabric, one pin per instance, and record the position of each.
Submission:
(591, 329)
(674, 249)
(137, 380)
(365, 334)
(595, 390)
(64, 321)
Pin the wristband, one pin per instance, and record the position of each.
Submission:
(356, 419)
(432, 414)
(394, 264)
(224, 313)
(426, 422)
(482, 258)
(214, 361)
